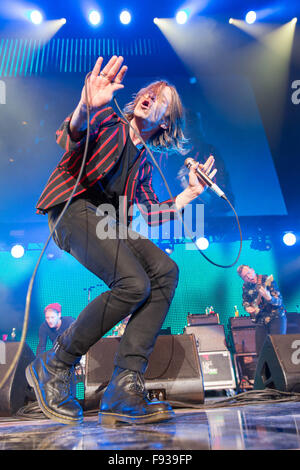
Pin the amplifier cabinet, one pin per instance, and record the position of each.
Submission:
(243, 321)
(201, 319)
(208, 337)
(244, 340)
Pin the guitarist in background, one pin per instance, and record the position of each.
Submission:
(263, 301)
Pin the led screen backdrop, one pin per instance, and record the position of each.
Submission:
(222, 118)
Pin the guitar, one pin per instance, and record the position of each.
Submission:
(256, 302)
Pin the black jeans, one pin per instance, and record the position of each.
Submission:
(274, 327)
(141, 277)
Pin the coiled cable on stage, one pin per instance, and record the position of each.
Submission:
(248, 398)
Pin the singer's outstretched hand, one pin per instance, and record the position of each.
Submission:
(102, 84)
(195, 183)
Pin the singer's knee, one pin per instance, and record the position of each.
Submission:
(168, 269)
(134, 289)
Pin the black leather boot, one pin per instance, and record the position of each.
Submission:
(51, 380)
(125, 400)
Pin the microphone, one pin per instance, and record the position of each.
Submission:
(190, 162)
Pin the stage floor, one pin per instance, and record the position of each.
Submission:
(270, 426)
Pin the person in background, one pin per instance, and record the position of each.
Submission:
(263, 301)
(53, 326)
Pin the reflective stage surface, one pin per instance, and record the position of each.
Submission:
(271, 426)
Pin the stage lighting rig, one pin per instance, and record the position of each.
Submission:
(289, 238)
(260, 242)
(35, 17)
(202, 243)
(182, 16)
(17, 251)
(250, 17)
(125, 17)
(94, 17)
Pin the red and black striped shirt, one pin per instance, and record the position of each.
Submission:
(108, 134)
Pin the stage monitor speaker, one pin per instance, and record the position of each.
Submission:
(173, 373)
(15, 390)
(278, 365)
(208, 337)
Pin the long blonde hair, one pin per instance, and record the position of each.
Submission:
(171, 138)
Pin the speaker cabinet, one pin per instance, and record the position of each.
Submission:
(208, 337)
(278, 365)
(173, 373)
(243, 334)
(14, 392)
(244, 340)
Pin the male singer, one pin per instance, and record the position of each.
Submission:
(142, 278)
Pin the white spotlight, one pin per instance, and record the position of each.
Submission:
(250, 17)
(181, 17)
(36, 17)
(289, 239)
(202, 243)
(17, 251)
(94, 17)
(125, 17)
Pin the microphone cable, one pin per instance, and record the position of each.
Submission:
(177, 210)
(31, 282)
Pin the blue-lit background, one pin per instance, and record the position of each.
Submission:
(236, 107)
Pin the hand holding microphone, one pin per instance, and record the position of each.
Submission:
(204, 174)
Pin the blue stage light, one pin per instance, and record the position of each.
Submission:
(36, 17)
(250, 17)
(94, 17)
(17, 251)
(125, 17)
(182, 16)
(289, 239)
(202, 243)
